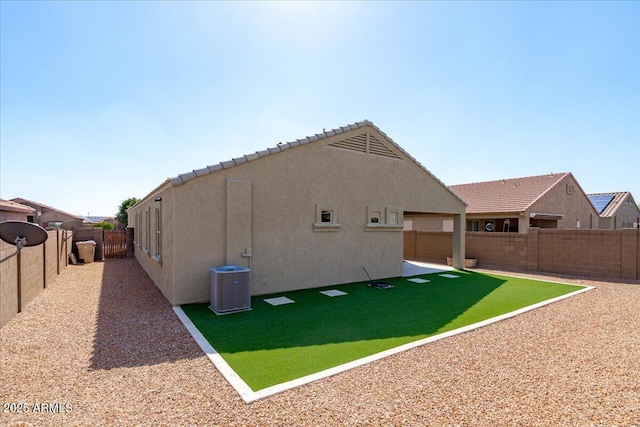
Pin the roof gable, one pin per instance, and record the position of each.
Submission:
(507, 195)
(363, 142)
(11, 206)
(43, 207)
(607, 204)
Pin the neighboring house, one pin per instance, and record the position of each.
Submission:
(99, 219)
(46, 216)
(616, 210)
(12, 211)
(303, 214)
(515, 204)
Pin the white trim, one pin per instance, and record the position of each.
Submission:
(248, 395)
(221, 365)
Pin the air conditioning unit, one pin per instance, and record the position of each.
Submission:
(230, 289)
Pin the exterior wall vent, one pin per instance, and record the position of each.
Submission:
(365, 143)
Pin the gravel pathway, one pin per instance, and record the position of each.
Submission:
(102, 347)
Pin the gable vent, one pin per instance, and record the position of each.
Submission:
(365, 143)
(355, 143)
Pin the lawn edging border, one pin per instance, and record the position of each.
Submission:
(249, 396)
(221, 365)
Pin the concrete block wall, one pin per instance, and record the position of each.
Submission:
(592, 253)
(613, 254)
(8, 283)
(32, 264)
(428, 246)
(504, 250)
(39, 265)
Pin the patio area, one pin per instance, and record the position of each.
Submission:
(103, 344)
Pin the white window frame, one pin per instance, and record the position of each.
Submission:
(158, 234)
(147, 237)
(321, 212)
(390, 219)
(375, 216)
(394, 217)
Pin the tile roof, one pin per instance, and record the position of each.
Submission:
(506, 195)
(11, 206)
(617, 199)
(196, 173)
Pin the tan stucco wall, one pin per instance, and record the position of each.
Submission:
(626, 216)
(53, 216)
(575, 207)
(284, 190)
(12, 216)
(161, 271)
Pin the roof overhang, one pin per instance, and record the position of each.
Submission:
(549, 216)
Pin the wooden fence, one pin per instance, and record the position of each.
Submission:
(115, 244)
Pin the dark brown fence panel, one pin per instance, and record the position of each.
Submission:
(115, 243)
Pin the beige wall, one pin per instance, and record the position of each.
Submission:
(54, 216)
(625, 217)
(12, 216)
(575, 207)
(283, 191)
(160, 270)
(39, 266)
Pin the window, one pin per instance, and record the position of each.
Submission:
(393, 217)
(473, 225)
(374, 215)
(383, 219)
(158, 235)
(147, 240)
(137, 231)
(570, 189)
(326, 218)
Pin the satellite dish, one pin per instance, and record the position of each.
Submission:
(71, 225)
(22, 233)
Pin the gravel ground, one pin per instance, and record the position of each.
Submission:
(103, 344)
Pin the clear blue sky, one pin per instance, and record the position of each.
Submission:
(101, 101)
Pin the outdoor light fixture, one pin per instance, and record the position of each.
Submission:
(157, 199)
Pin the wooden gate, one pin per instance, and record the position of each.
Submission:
(115, 243)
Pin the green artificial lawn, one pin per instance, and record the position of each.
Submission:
(271, 345)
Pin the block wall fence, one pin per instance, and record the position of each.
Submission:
(39, 265)
(608, 254)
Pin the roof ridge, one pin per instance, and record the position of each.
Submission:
(42, 205)
(563, 174)
(281, 146)
(608, 193)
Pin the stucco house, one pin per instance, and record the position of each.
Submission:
(616, 210)
(13, 211)
(513, 205)
(46, 216)
(302, 214)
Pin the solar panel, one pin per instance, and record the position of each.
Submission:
(601, 201)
